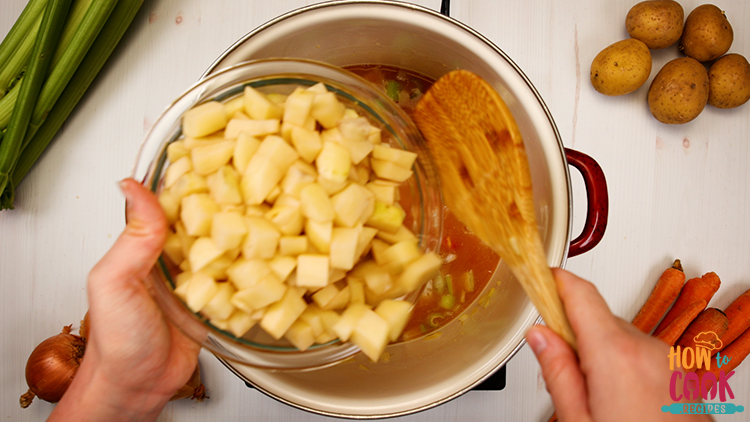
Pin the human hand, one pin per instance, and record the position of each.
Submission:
(135, 359)
(620, 374)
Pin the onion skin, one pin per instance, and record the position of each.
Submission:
(52, 366)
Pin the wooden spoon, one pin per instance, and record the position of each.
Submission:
(485, 178)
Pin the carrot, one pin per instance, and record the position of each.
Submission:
(695, 289)
(674, 330)
(735, 353)
(738, 313)
(665, 291)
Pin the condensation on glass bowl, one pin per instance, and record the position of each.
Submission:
(257, 349)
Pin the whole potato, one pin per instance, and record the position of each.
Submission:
(729, 82)
(707, 34)
(658, 23)
(621, 68)
(679, 91)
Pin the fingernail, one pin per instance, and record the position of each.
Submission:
(537, 341)
(123, 187)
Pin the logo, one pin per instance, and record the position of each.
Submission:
(699, 381)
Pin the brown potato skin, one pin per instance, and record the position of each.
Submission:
(707, 34)
(679, 92)
(621, 68)
(729, 81)
(658, 23)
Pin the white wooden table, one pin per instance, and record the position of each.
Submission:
(675, 191)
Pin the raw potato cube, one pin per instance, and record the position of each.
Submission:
(388, 218)
(420, 271)
(319, 234)
(340, 301)
(173, 248)
(171, 205)
(307, 142)
(401, 254)
(349, 319)
(244, 149)
(397, 156)
(188, 184)
(228, 230)
(210, 158)
(176, 150)
(401, 234)
(356, 290)
(203, 251)
(312, 316)
(356, 130)
(297, 107)
(261, 240)
(344, 247)
(349, 204)
(329, 320)
(218, 267)
(200, 290)
(375, 136)
(318, 88)
(189, 143)
(292, 245)
(197, 212)
(282, 314)
(334, 162)
(259, 107)
(275, 149)
(182, 278)
(324, 296)
(371, 334)
(301, 335)
(219, 308)
(315, 203)
(240, 323)
(389, 170)
(268, 290)
(299, 175)
(330, 187)
(283, 266)
(327, 109)
(384, 191)
(366, 237)
(377, 249)
(312, 270)
(185, 240)
(224, 186)
(288, 219)
(251, 127)
(256, 210)
(396, 313)
(204, 119)
(233, 106)
(378, 280)
(260, 178)
(177, 169)
(245, 273)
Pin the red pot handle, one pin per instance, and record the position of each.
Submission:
(598, 202)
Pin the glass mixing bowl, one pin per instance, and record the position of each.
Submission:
(421, 193)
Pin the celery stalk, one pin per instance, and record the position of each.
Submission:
(20, 58)
(118, 22)
(18, 33)
(75, 16)
(30, 87)
(91, 24)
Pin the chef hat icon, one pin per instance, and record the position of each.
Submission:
(708, 339)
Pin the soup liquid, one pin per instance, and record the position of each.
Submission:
(468, 263)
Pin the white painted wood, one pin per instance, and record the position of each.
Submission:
(675, 192)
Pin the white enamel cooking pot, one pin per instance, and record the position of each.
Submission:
(424, 373)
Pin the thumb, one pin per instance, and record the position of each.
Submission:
(136, 250)
(564, 379)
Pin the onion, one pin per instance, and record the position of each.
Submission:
(52, 366)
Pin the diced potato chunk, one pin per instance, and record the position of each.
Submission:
(176, 150)
(244, 149)
(177, 169)
(282, 314)
(327, 109)
(307, 142)
(268, 290)
(344, 247)
(396, 313)
(171, 205)
(261, 240)
(371, 334)
(259, 107)
(251, 127)
(389, 170)
(201, 288)
(240, 323)
(312, 270)
(349, 319)
(283, 266)
(315, 203)
(301, 335)
(349, 204)
(204, 119)
(219, 307)
(188, 184)
(297, 107)
(424, 269)
(197, 212)
(210, 158)
(228, 229)
(397, 156)
(334, 162)
(245, 273)
(292, 245)
(388, 218)
(319, 234)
